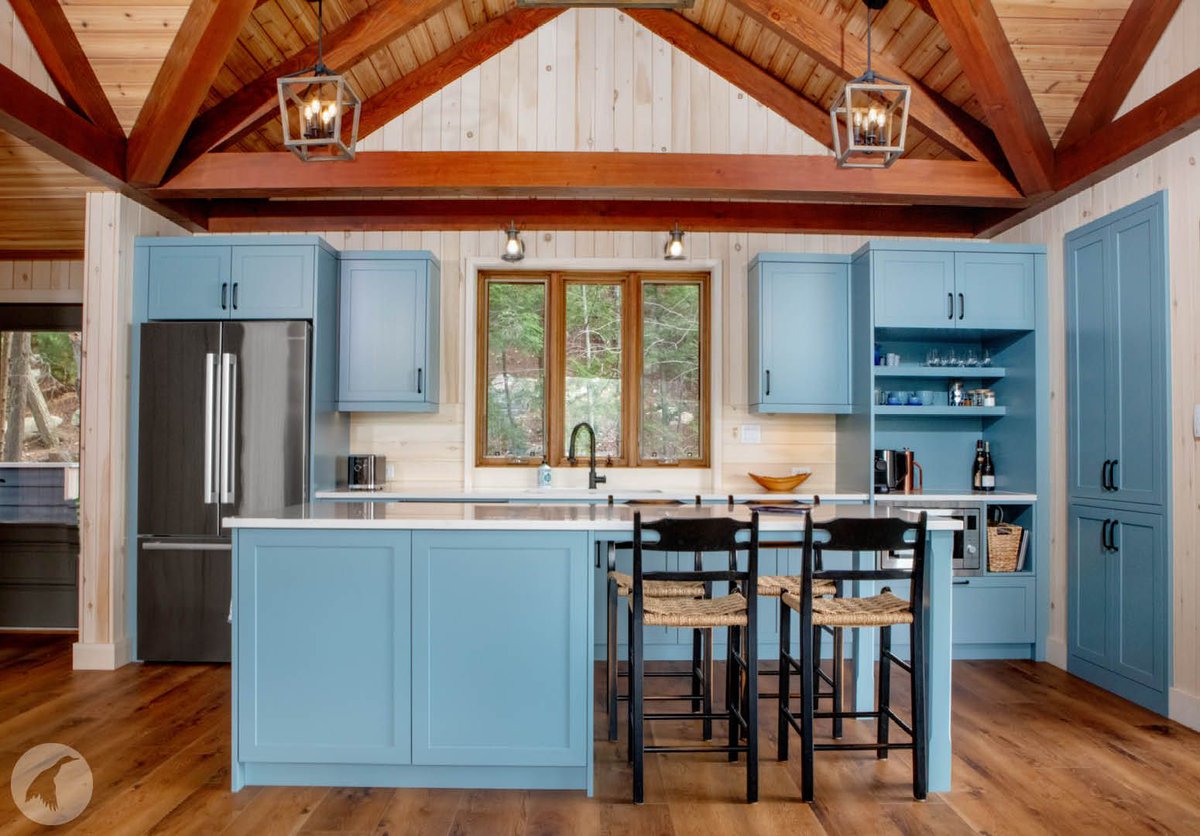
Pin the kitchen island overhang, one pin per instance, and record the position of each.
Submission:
(450, 645)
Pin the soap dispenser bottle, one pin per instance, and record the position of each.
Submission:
(544, 474)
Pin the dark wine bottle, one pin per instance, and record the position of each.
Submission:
(987, 477)
(977, 467)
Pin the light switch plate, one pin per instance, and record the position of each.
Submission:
(751, 433)
(390, 472)
(1196, 421)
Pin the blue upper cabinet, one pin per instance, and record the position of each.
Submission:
(252, 278)
(388, 352)
(799, 332)
(1088, 360)
(977, 289)
(914, 289)
(189, 282)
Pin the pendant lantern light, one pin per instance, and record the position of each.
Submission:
(870, 115)
(673, 251)
(514, 247)
(319, 109)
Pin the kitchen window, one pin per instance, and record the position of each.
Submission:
(626, 352)
(39, 396)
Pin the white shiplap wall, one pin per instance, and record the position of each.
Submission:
(1175, 169)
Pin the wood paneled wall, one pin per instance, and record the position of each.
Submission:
(41, 281)
(1176, 169)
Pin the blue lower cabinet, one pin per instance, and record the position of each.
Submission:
(501, 667)
(995, 610)
(323, 647)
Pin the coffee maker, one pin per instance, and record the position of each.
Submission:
(897, 470)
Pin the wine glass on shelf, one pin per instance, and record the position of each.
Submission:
(986, 362)
(972, 358)
(950, 358)
(932, 358)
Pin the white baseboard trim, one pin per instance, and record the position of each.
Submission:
(1185, 708)
(1056, 652)
(94, 656)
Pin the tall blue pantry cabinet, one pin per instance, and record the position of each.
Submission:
(1118, 429)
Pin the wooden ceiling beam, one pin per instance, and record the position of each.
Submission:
(828, 44)
(68, 67)
(41, 254)
(257, 102)
(478, 46)
(738, 70)
(981, 46)
(1127, 53)
(614, 215)
(592, 174)
(197, 54)
(1151, 126)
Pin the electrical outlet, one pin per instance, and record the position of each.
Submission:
(751, 433)
(390, 472)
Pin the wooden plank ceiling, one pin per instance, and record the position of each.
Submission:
(808, 46)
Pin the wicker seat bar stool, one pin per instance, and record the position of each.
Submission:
(699, 673)
(737, 612)
(883, 612)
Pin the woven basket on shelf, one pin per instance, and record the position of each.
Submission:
(1003, 546)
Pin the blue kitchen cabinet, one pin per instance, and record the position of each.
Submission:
(389, 336)
(1088, 356)
(189, 282)
(799, 332)
(272, 282)
(914, 289)
(1000, 611)
(218, 280)
(995, 290)
(323, 647)
(1119, 608)
(501, 638)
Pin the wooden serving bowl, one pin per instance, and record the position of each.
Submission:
(781, 484)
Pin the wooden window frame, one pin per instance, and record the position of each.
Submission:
(632, 363)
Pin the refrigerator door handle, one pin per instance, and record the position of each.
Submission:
(166, 546)
(228, 433)
(210, 397)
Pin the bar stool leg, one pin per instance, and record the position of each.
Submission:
(885, 690)
(708, 683)
(807, 699)
(838, 671)
(697, 661)
(919, 725)
(732, 687)
(613, 661)
(636, 709)
(631, 655)
(785, 680)
(751, 656)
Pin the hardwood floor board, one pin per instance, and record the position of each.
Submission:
(420, 813)
(349, 809)
(553, 813)
(497, 812)
(276, 811)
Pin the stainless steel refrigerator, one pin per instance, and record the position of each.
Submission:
(223, 431)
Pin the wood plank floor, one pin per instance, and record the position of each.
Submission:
(1037, 751)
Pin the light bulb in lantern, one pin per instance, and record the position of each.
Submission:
(514, 247)
(673, 251)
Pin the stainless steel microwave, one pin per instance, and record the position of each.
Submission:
(969, 544)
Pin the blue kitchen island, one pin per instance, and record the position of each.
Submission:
(450, 644)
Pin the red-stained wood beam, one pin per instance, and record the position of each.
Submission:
(738, 70)
(981, 46)
(257, 102)
(478, 46)
(197, 54)
(54, 129)
(1151, 126)
(822, 40)
(615, 215)
(593, 175)
(924, 6)
(1127, 53)
(40, 255)
(68, 67)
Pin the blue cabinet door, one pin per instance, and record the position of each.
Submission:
(323, 646)
(189, 282)
(995, 610)
(1088, 358)
(803, 332)
(501, 648)
(1089, 585)
(1137, 400)
(995, 290)
(273, 282)
(383, 361)
(1138, 608)
(914, 289)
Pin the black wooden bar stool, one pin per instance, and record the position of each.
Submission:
(882, 612)
(737, 612)
(700, 672)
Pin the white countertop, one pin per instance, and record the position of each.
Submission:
(928, 497)
(545, 517)
(37, 465)
(569, 495)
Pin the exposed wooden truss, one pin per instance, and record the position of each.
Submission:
(593, 174)
(615, 215)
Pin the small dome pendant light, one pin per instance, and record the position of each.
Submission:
(673, 251)
(514, 247)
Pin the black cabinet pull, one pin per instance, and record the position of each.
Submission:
(224, 296)
(1112, 475)
(1104, 535)
(1112, 536)
(1104, 474)
(768, 392)
(962, 306)
(949, 306)
(235, 295)
(964, 582)
(420, 380)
